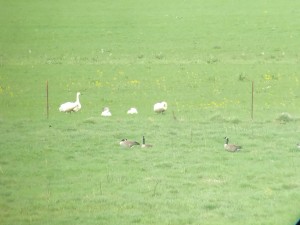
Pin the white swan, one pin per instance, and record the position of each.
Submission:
(132, 111)
(160, 107)
(106, 112)
(71, 106)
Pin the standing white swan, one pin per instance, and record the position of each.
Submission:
(71, 106)
(160, 107)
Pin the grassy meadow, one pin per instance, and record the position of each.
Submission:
(199, 56)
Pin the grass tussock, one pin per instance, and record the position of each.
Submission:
(220, 118)
(286, 118)
(90, 121)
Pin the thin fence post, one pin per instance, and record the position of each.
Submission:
(47, 99)
(252, 102)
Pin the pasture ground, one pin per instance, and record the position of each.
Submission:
(199, 56)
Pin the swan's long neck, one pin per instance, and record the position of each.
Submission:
(77, 98)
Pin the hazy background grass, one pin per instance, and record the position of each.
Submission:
(199, 56)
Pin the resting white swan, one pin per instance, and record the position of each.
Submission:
(71, 106)
(132, 111)
(106, 112)
(160, 107)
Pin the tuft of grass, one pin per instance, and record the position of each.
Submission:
(90, 120)
(285, 118)
(220, 118)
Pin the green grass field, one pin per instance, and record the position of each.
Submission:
(199, 56)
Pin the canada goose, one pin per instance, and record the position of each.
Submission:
(132, 111)
(106, 112)
(144, 145)
(128, 144)
(71, 106)
(231, 147)
(298, 145)
(160, 107)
